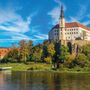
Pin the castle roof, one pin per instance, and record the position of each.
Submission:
(73, 24)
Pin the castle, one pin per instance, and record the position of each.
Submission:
(73, 33)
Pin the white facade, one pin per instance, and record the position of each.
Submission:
(69, 31)
(70, 34)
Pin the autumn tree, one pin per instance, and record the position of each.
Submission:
(12, 55)
(23, 50)
(37, 53)
(51, 51)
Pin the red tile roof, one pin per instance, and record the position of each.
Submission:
(73, 24)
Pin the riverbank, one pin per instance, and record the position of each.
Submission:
(43, 67)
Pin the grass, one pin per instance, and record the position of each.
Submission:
(25, 67)
(43, 67)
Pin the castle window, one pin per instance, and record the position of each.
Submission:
(55, 33)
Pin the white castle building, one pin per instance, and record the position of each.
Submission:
(68, 31)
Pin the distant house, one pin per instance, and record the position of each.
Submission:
(3, 52)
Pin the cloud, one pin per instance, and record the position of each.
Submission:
(11, 21)
(55, 12)
(58, 2)
(13, 26)
(14, 36)
(86, 22)
(41, 36)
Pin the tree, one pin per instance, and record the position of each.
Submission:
(69, 61)
(51, 49)
(48, 60)
(12, 55)
(60, 55)
(81, 60)
(63, 53)
(30, 50)
(51, 52)
(44, 50)
(37, 53)
(23, 51)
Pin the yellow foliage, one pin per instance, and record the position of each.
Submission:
(48, 60)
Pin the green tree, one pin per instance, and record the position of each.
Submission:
(30, 50)
(81, 60)
(45, 50)
(86, 51)
(37, 53)
(63, 53)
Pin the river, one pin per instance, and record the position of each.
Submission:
(43, 81)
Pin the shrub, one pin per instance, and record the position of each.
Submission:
(48, 60)
(81, 60)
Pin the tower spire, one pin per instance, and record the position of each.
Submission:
(62, 36)
(62, 12)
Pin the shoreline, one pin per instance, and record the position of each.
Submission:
(39, 67)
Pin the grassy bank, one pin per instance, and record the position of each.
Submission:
(43, 67)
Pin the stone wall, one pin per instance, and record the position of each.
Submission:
(74, 46)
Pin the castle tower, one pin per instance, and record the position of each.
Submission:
(62, 37)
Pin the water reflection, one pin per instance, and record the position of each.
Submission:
(43, 81)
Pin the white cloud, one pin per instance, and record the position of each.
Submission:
(54, 15)
(55, 12)
(15, 36)
(58, 2)
(41, 36)
(11, 21)
(86, 22)
(14, 26)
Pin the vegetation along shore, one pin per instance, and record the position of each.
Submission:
(46, 57)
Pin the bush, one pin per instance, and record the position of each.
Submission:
(48, 60)
(81, 60)
(69, 61)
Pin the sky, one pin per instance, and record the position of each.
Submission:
(33, 19)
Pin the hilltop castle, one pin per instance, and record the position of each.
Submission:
(69, 32)
(73, 34)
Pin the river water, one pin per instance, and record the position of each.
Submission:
(43, 81)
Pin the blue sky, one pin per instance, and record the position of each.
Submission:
(32, 19)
